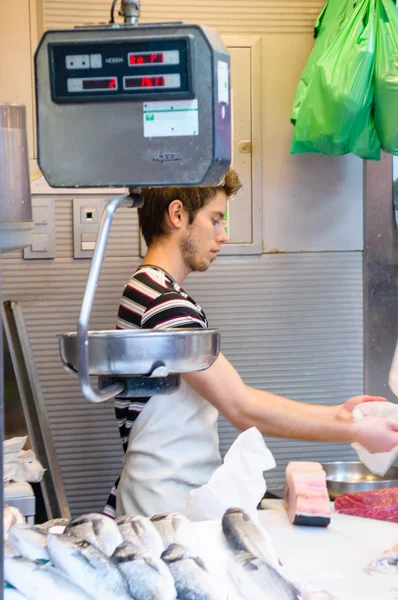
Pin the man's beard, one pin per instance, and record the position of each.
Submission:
(190, 252)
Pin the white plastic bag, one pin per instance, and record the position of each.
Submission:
(379, 462)
(238, 482)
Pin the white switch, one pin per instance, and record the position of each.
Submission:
(96, 61)
(86, 217)
(40, 242)
(43, 238)
(88, 245)
(40, 215)
(88, 241)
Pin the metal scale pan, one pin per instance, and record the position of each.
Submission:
(143, 352)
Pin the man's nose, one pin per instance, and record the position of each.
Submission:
(223, 237)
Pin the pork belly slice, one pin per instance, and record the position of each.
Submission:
(306, 496)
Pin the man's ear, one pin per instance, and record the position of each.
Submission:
(176, 214)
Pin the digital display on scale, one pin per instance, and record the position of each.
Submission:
(102, 71)
(169, 81)
(169, 57)
(100, 84)
(145, 59)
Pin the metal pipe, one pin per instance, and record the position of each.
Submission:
(380, 276)
(88, 300)
(130, 10)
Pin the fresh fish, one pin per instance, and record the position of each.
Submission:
(386, 562)
(11, 593)
(257, 580)
(174, 529)
(38, 582)
(12, 516)
(88, 566)
(29, 542)
(147, 577)
(9, 550)
(53, 523)
(191, 578)
(99, 530)
(243, 535)
(254, 563)
(142, 534)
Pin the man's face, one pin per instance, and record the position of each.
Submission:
(201, 241)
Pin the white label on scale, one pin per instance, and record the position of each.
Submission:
(223, 86)
(169, 119)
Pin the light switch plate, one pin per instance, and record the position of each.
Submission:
(43, 236)
(87, 214)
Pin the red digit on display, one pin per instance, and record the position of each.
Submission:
(153, 58)
(112, 84)
(140, 60)
(146, 82)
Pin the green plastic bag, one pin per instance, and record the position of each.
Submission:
(336, 113)
(327, 27)
(386, 77)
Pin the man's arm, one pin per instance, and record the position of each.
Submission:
(277, 416)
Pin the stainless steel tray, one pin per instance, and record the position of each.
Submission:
(140, 352)
(350, 477)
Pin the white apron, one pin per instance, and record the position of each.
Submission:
(172, 449)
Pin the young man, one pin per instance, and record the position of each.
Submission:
(171, 441)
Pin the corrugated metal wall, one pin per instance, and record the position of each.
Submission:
(227, 16)
(291, 323)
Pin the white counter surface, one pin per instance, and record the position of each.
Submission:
(326, 559)
(333, 557)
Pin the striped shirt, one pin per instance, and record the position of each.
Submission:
(152, 299)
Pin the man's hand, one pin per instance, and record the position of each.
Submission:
(344, 411)
(376, 434)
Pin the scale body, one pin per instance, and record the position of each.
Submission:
(122, 106)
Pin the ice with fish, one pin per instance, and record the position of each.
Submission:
(11, 593)
(251, 569)
(147, 577)
(243, 535)
(29, 542)
(99, 530)
(174, 528)
(191, 577)
(141, 533)
(48, 525)
(11, 516)
(88, 566)
(38, 581)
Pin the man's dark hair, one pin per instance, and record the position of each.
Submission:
(157, 200)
